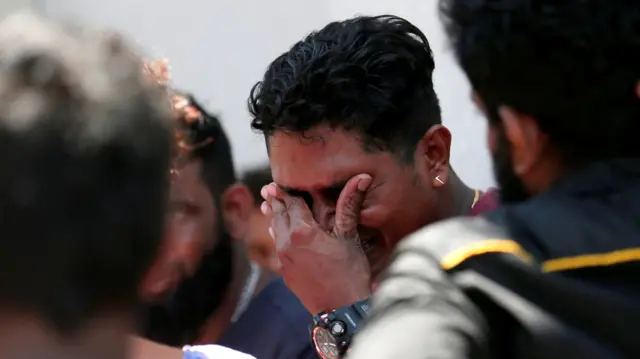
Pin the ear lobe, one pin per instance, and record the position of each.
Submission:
(523, 136)
(237, 205)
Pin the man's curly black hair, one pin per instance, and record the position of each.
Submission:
(371, 75)
(570, 64)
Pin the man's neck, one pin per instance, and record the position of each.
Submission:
(461, 197)
(103, 338)
(220, 321)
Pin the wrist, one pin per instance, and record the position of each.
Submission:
(344, 299)
(332, 331)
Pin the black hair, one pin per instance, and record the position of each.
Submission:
(572, 65)
(82, 194)
(179, 321)
(372, 75)
(255, 179)
(218, 170)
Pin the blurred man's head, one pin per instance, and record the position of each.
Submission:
(258, 243)
(556, 79)
(357, 97)
(191, 275)
(82, 193)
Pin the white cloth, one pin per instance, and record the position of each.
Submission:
(212, 352)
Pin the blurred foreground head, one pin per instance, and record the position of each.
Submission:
(85, 153)
(557, 79)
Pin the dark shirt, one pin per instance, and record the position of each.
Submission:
(274, 326)
(554, 277)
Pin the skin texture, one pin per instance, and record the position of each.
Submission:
(524, 161)
(189, 232)
(145, 349)
(259, 244)
(310, 175)
(299, 239)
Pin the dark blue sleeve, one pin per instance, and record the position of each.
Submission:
(274, 326)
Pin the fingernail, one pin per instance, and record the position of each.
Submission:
(264, 208)
(272, 234)
(364, 182)
(263, 192)
(271, 190)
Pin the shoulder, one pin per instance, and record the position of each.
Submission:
(285, 303)
(454, 241)
(212, 352)
(275, 325)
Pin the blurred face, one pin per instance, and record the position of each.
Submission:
(315, 167)
(191, 227)
(512, 189)
(258, 243)
(518, 151)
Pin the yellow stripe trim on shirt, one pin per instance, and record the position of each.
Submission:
(592, 260)
(507, 246)
(458, 256)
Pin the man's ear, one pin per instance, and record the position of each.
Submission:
(237, 205)
(525, 139)
(433, 151)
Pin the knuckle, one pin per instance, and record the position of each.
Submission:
(297, 201)
(301, 234)
(352, 203)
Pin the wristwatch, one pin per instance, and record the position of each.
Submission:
(332, 331)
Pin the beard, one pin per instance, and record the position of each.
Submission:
(178, 320)
(512, 189)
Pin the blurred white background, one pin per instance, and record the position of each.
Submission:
(219, 49)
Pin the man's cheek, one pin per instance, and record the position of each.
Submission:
(372, 216)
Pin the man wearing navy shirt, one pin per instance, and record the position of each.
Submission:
(275, 326)
(360, 159)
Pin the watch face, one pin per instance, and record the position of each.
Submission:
(326, 344)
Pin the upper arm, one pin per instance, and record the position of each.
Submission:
(421, 309)
(419, 312)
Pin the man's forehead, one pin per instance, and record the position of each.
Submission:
(313, 185)
(319, 158)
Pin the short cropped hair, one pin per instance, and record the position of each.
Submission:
(85, 152)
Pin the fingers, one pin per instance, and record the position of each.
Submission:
(276, 210)
(296, 208)
(349, 205)
(270, 193)
(272, 190)
(280, 224)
